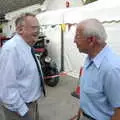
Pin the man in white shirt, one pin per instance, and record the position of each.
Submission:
(21, 83)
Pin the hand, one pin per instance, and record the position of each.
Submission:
(79, 114)
(27, 116)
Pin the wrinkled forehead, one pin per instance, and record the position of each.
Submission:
(32, 20)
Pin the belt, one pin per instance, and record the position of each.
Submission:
(86, 115)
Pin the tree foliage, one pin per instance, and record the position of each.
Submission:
(89, 1)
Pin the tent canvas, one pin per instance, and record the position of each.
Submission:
(102, 10)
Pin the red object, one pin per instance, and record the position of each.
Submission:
(39, 49)
(81, 70)
(76, 93)
(67, 4)
(57, 75)
(2, 40)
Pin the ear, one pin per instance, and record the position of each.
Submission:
(92, 40)
(19, 29)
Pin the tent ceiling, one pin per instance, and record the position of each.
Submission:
(12, 5)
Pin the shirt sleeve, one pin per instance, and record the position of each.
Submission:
(9, 93)
(112, 87)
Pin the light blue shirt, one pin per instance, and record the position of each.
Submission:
(19, 77)
(100, 85)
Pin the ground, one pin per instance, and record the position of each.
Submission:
(59, 104)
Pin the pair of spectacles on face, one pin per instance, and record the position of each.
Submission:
(36, 29)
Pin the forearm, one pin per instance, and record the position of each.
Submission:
(79, 113)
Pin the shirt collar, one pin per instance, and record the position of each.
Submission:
(88, 62)
(100, 56)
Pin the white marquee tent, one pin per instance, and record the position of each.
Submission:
(105, 10)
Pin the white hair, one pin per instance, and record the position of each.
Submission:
(92, 27)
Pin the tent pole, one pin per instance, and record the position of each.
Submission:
(62, 50)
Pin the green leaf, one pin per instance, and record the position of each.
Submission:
(89, 1)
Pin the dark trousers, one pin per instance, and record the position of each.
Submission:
(33, 111)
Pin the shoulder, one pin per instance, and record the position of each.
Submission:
(10, 47)
(10, 44)
(111, 62)
(13, 44)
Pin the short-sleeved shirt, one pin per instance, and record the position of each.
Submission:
(100, 85)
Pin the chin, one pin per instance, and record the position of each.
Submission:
(81, 51)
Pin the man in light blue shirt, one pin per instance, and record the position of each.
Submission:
(100, 81)
(19, 77)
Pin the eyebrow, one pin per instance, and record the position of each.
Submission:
(35, 26)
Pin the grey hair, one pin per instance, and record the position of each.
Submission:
(93, 27)
(20, 20)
